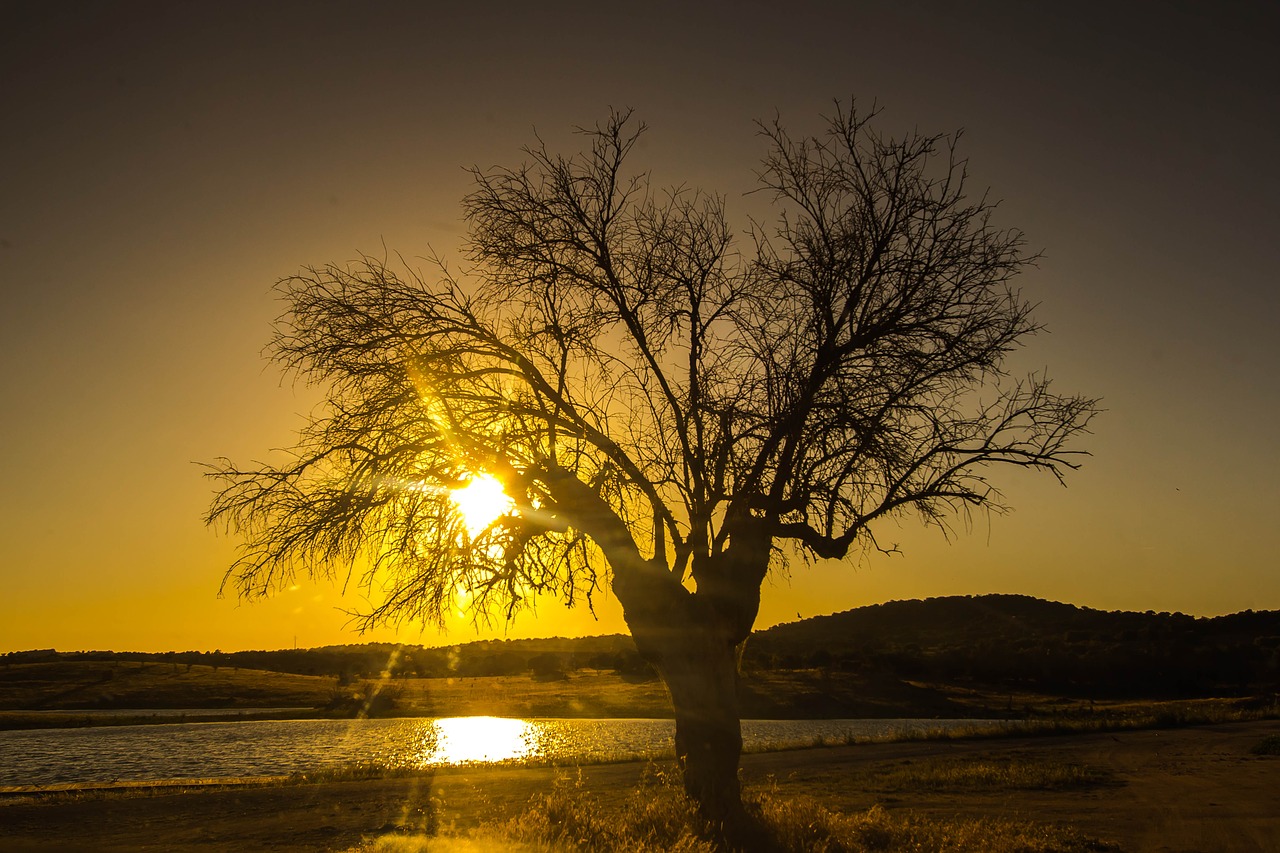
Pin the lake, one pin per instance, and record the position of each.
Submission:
(220, 750)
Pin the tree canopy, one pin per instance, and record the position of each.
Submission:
(646, 384)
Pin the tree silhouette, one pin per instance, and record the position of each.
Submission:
(671, 416)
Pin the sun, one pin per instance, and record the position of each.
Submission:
(481, 501)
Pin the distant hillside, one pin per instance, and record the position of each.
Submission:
(1001, 642)
(1029, 642)
(480, 658)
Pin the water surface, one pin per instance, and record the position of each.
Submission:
(282, 747)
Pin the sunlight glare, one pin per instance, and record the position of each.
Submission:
(463, 740)
(481, 501)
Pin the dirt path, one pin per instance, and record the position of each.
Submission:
(1176, 791)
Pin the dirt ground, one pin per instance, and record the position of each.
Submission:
(1192, 790)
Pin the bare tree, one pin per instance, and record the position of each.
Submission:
(669, 415)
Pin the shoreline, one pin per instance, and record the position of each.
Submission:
(1198, 788)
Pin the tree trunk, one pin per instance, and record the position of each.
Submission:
(691, 638)
(694, 652)
(700, 671)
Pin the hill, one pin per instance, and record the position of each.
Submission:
(1018, 640)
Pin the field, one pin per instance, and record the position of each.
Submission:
(59, 691)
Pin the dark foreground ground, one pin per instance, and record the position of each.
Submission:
(1192, 789)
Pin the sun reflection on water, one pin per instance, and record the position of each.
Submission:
(462, 740)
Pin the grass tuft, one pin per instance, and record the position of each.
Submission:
(1269, 745)
(983, 775)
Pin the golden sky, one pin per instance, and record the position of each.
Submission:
(164, 163)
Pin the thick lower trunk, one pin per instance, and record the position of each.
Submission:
(694, 652)
(702, 680)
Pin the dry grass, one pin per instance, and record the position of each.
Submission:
(970, 775)
(1269, 745)
(1127, 716)
(587, 693)
(802, 824)
(657, 817)
(71, 685)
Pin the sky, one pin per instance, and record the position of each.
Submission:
(163, 164)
